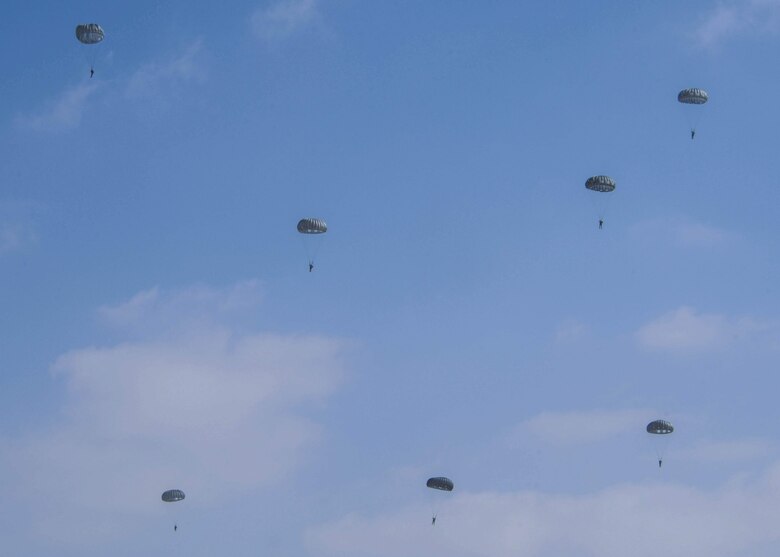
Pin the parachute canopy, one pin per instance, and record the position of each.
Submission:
(312, 226)
(602, 184)
(89, 33)
(660, 427)
(693, 96)
(173, 495)
(443, 484)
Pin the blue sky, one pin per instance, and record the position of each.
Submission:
(465, 317)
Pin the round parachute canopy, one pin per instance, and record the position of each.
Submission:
(312, 226)
(660, 427)
(693, 96)
(443, 484)
(89, 33)
(603, 184)
(173, 495)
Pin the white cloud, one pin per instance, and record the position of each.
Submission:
(701, 235)
(744, 17)
(17, 229)
(284, 18)
(644, 520)
(189, 305)
(581, 428)
(157, 80)
(684, 233)
(722, 22)
(154, 78)
(15, 236)
(202, 406)
(685, 330)
(61, 114)
(727, 451)
(570, 330)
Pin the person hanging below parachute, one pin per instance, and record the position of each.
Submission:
(441, 484)
(600, 184)
(315, 228)
(693, 97)
(173, 496)
(660, 427)
(90, 34)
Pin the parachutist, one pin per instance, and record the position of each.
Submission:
(693, 97)
(601, 223)
(90, 34)
(662, 428)
(442, 484)
(311, 227)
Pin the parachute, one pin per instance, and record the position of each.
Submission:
(312, 226)
(660, 427)
(659, 431)
(603, 184)
(600, 184)
(438, 484)
(312, 230)
(89, 33)
(441, 483)
(693, 96)
(173, 495)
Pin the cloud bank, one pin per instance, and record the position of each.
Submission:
(643, 520)
(196, 404)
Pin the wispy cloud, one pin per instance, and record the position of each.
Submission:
(731, 19)
(740, 450)
(15, 236)
(201, 405)
(580, 428)
(155, 312)
(17, 229)
(154, 78)
(701, 235)
(282, 19)
(738, 518)
(61, 114)
(684, 234)
(686, 330)
(570, 331)
(154, 81)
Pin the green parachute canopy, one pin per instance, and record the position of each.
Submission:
(89, 33)
(440, 483)
(693, 96)
(603, 184)
(173, 495)
(660, 427)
